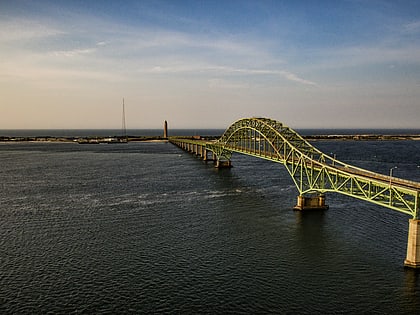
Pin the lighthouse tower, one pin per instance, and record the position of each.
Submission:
(165, 130)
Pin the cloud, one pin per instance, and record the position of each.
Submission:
(229, 71)
(73, 53)
(129, 51)
(293, 77)
(19, 29)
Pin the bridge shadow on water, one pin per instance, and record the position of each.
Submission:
(311, 237)
(411, 285)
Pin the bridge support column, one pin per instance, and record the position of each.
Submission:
(223, 164)
(413, 245)
(206, 155)
(311, 203)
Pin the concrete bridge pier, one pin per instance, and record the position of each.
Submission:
(201, 151)
(223, 164)
(197, 149)
(413, 245)
(206, 155)
(311, 203)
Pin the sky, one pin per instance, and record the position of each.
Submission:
(205, 64)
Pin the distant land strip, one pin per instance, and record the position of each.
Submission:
(119, 139)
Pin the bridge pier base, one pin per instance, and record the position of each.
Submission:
(311, 203)
(206, 155)
(223, 164)
(413, 245)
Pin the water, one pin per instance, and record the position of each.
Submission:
(148, 228)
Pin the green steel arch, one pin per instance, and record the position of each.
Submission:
(311, 170)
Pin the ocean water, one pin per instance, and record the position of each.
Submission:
(149, 228)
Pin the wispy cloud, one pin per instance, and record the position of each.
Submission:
(231, 71)
(73, 52)
(293, 77)
(19, 30)
(153, 51)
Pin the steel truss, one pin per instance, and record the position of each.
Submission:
(311, 170)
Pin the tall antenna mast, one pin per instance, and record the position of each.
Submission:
(124, 130)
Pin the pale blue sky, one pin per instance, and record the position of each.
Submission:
(205, 64)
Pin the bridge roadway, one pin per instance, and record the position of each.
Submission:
(313, 171)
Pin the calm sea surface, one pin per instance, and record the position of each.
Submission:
(148, 228)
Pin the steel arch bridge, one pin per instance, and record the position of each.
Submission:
(311, 170)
